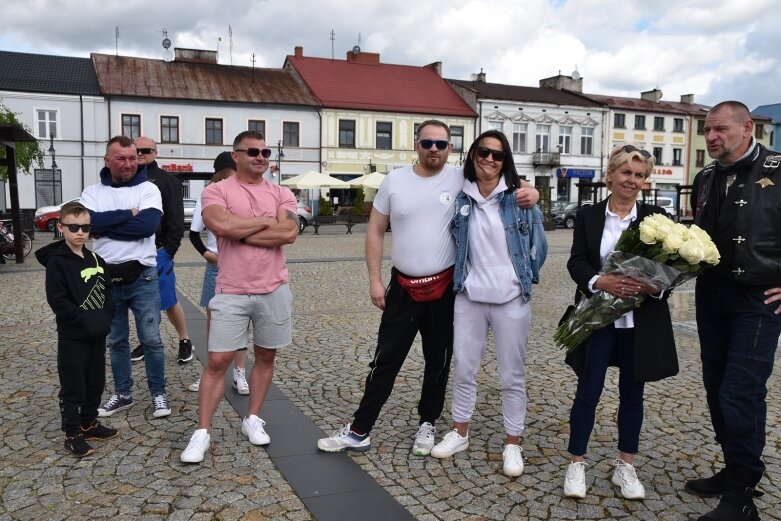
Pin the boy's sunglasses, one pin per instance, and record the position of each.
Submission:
(483, 152)
(75, 227)
(631, 148)
(426, 144)
(255, 152)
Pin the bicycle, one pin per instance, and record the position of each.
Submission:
(7, 244)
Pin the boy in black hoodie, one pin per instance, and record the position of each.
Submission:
(77, 291)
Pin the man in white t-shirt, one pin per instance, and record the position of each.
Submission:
(418, 200)
(252, 219)
(125, 210)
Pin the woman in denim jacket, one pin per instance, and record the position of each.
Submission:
(493, 284)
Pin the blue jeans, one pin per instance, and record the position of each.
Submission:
(606, 344)
(142, 297)
(738, 339)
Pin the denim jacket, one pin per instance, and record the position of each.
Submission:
(525, 239)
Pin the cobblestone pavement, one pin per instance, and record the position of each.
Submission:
(139, 476)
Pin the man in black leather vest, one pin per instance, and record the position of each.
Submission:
(737, 200)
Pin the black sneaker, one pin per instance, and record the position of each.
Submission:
(185, 351)
(97, 431)
(137, 354)
(77, 446)
(115, 403)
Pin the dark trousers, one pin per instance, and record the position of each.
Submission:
(606, 344)
(738, 339)
(401, 320)
(81, 365)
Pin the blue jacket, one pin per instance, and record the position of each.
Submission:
(525, 239)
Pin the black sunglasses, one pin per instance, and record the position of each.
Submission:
(483, 152)
(441, 144)
(255, 152)
(145, 150)
(75, 227)
(632, 148)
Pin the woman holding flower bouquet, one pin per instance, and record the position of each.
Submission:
(640, 342)
(500, 249)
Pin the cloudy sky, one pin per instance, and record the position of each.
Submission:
(715, 49)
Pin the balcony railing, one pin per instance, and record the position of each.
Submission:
(546, 158)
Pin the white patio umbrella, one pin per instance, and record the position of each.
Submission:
(372, 180)
(314, 180)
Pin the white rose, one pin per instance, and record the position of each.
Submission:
(664, 230)
(712, 255)
(692, 251)
(672, 242)
(647, 231)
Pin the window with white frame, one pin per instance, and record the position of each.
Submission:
(542, 138)
(587, 141)
(290, 133)
(457, 138)
(214, 131)
(169, 129)
(131, 125)
(495, 125)
(677, 155)
(519, 137)
(47, 123)
(257, 125)
(565, 140)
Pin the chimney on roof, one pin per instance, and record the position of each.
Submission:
(562, 82)
(654, 95)
(436, 67)
(687, 98)
(480, 77)
(195, 55)
(298, 51)
(358, 56)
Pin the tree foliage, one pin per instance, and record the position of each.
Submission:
(28, 154)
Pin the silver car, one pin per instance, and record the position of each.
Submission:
(304, 215)
(189, 207)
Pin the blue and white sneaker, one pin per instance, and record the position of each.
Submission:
(117, 402)
(345, 439)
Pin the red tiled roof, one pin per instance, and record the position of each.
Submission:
(187, 80)
(379, 86)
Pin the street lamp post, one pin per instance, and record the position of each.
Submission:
(54, 168)
(280, 157)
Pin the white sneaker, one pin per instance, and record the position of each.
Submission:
(240, 381)
(513, 461)
(450, 444)
(252, 427)
(575, 480)
(345, 439)
(199, 444)
(195, 387)
(424, 439)
(625, 477)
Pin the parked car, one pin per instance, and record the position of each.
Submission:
(47, 217)
(304, 215)
(189, 206)
(665, 202)
(565, 216)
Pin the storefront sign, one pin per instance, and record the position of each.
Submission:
(663, 171)
(575, 172)
(177, 168)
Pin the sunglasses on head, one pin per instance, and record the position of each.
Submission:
(426, 144)
(145, 150)
(255, 152)
(483, 152)
(75, 227)
(632, 148)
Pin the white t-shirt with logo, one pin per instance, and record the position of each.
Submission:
(420, 209)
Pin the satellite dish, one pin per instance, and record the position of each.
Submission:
(473, 76)
(356, 50)
(166, 43)
(575, 75)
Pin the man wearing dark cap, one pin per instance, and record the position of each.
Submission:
(167, 239)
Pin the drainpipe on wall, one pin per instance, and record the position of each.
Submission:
(81, 118)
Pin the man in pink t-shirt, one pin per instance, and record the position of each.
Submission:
(252, 220)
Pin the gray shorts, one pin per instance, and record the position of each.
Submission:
(269, 313)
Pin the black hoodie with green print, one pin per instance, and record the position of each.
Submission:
(77, 290)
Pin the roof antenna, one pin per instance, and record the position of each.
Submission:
(167, 54)
(116, 40)
(332, 38)
(230, 43)
(253, 65)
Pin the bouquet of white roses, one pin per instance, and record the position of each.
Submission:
(659, 252)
